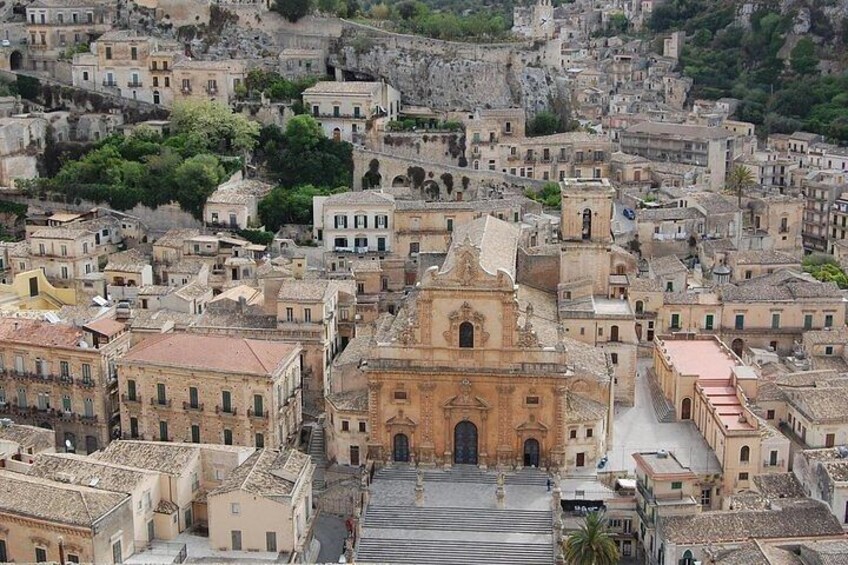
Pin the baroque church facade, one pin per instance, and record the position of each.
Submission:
(477, 369)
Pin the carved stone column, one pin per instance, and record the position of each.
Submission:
(375, 443)
(505, 429)
(426, 449)
(557, 455)
(448, 453)
(484, 440)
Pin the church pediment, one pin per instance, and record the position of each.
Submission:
(401, 420)
(465, 399)
(532, 425)
(463, 268)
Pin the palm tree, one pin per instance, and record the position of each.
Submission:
(591, 544)
(738, 180)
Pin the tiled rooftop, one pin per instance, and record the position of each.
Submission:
(55, 502)
(213, 353)
(168, 458)
(38, 332)
(39, 439)
(496, 240)
(267, 473)
(87, 471)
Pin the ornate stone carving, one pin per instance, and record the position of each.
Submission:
(427, 411)
(467, 267)
(466, 314)
(407, 335)
(527, 335)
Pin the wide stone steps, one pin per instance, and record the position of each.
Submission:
(318, 456)
(459, 519)
(662, 407)
(451, 552)
(462, 474)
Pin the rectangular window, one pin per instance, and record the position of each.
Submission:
(336, 111)
(400, 395)
(775, 321)
(86, 373)
(769, 414)
(362, 427)
(773, 458)
(706, 496)
(108, 52)
(236, 539)
(808, 321)
(163, 431)
(228, 437)
(193, 401)
(258, 405)
(290, 314)
(161, 396)
(195, 433)
(590, 432)
(676, 485)
(414, 247)
(131, 392)
(307, 314)
(675, 321)
(40, 555)
(259, 441)
(134, 53)
(743, 476)
(64, 369)
(235, 508)
(740, 322)
(828, 320)
(345, 426)
(271, 537)
(531, 400)
(450, 224)
(572, 434)
(709, 321)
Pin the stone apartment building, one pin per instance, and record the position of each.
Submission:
(269, 483)
(347, 110)
(207, 80)
(185, 473)
(235, 204)
(64, 254)
(94, 526)
(54, 26)
(820, 190)
(780, 218)
(712, 148)
(707, 383)
(824, 474)
(121, 63)
(211, 389)
(62, 377)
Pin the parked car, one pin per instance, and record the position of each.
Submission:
(628, 213)
(6, 43)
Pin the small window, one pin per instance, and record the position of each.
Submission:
(400, 395)
(590, 432)
(676, 485)
(362, 427)
(345, 426)
(532, 400)
(828, 350)
(769, 414)
(743, 476)
(235, 508)
(572, 434)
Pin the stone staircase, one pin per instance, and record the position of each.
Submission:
(662, 407)
(317, 453)
(462, 474)
(450, 552)
(453, 535)
(460, 519)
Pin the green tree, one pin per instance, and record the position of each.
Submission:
(293, 10)
(592, 544)
(216, 125)
(545, 123)
(739, 179)
(196, 178)
(303, 133)
(803, 58)
(825, 268)
(290, 205)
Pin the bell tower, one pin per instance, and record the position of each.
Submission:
(587, 210)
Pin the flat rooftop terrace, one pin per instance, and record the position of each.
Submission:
(705, 358)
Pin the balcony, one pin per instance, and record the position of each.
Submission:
(777, 464)
(160, 403)
(110, 83)
(646, 493)
(230, 411)
(186, 90)
(89, 420)
(643, 517)
(86, 383)
(261, 415)
(65, 380)
(197, 407)
(127, 398)
(211, 90)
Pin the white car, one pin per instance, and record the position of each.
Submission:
(5, 43)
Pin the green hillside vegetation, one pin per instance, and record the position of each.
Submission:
(825, 268)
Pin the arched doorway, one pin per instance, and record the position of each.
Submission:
(639, 332)
(337, 134)
(531, 452)
(16, 60)
(587, 224)
(686, 409)
(90, 445)
(465, 443)
(738, 345)
(688, 559)
(400, 448)
(400, 180)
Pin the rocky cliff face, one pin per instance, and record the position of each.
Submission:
(448, 76)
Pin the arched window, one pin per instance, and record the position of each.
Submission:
(466, 334)
(688, 558)
(587, 224)
(613, 333)
(744, 454)
(640, 306)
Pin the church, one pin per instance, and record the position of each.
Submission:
(476, 369)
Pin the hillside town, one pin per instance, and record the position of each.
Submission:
(311, 290)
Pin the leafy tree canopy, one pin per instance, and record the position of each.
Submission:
(214, 126)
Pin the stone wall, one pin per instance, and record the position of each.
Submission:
(538, 271)
(438, 148)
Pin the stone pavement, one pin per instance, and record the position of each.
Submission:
(330, 531)
(636, 429)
